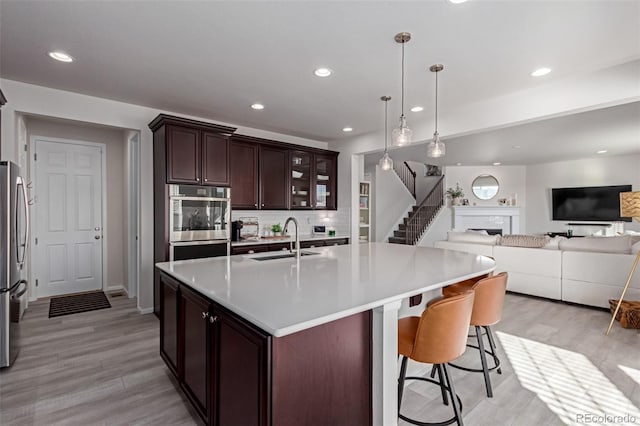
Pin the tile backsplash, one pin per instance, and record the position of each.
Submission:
(336, 219)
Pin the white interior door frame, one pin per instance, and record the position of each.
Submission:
(34, 207)
(133, 210)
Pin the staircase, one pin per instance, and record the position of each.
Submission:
(420, 217)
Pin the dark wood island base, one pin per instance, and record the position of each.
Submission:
(235, 374)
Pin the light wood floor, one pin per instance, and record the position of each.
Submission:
(103, 367)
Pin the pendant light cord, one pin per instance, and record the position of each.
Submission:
(436, 102)
(386, 102)
(402, 84)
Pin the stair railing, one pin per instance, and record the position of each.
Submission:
(425, 212)
(407, 176)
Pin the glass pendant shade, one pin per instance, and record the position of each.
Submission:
(402, 134)
(436, 148)
(386, 163)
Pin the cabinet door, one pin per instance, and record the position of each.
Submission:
(274, 182)
(301, 164)
(215, 159)
(326, 173)
(242, 373)
(195, 335)
(169, 323)
(244, 175)
(183, 155)
(258, 248)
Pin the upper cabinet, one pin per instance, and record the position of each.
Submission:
(244, 175)
(271, 175)
(273, 178)
(193, 152)
(263, 174)
(325, 181)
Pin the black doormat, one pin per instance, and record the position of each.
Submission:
(85, 302)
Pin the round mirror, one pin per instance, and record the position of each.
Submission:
(485, 187)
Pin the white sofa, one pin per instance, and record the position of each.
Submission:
(588, 278)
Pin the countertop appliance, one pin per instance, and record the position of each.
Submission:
(199, 221)
(14, 235)
(319, 230)
(236, 226)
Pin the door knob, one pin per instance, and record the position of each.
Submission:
(97, 228)
(97, 237)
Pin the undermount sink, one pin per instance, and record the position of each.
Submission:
(283, 255)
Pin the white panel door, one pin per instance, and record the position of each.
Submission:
(68, 218)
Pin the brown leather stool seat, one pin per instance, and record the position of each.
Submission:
(487, 311)
(437, 337)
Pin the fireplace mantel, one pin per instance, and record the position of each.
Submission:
(505, 217)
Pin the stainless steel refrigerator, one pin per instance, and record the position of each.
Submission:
(14, 235)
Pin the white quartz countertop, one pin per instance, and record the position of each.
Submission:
(306, 237)
(283, 296)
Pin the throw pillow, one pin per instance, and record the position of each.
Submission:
(530, 241)
(598, 244)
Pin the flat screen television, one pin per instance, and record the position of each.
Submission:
(589, 204)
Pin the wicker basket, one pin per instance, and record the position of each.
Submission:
(628, 314)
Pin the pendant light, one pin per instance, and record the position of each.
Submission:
(386, 163)
(436, 148)
(402, 134)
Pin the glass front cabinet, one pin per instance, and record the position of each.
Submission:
(313, 181)
(301, 180)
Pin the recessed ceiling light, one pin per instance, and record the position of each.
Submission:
(257, 106)
(417, 109)
(540, 72)
(347, 129)
(323, 72)
(60, 56)
(602, 151)
(457, 1)
(497, 163)
(516, 147)
(458, 164)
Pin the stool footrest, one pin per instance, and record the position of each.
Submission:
(419, 423)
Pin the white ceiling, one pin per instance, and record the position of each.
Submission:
(213, 59)
(614, 129)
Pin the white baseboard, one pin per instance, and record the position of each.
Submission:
(145, 311)
(118, 287)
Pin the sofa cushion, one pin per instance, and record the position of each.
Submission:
(472, 237)
(554, 243)
(530, 241)
(598, 244)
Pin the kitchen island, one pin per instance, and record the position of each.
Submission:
(289, 341)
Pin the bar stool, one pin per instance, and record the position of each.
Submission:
(487, 311)
(436, 337)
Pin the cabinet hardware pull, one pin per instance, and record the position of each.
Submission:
(262, 204)
(205, 315)
(206, 180)
(255, 205)
(213, 319)
(251, 251)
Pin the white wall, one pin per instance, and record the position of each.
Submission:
(541, 178)
(512, 180)
(38, 100)
(115, 195)
(392, 200)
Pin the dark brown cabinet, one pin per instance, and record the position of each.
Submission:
(236, 374)
(183, 155)
(325, 182)
(244, 175)
(169, 323)
(195, 316)
(197, 157)
(273, 178)
(242, 373)
(215, 159)
(220, 360)
(271, 175)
